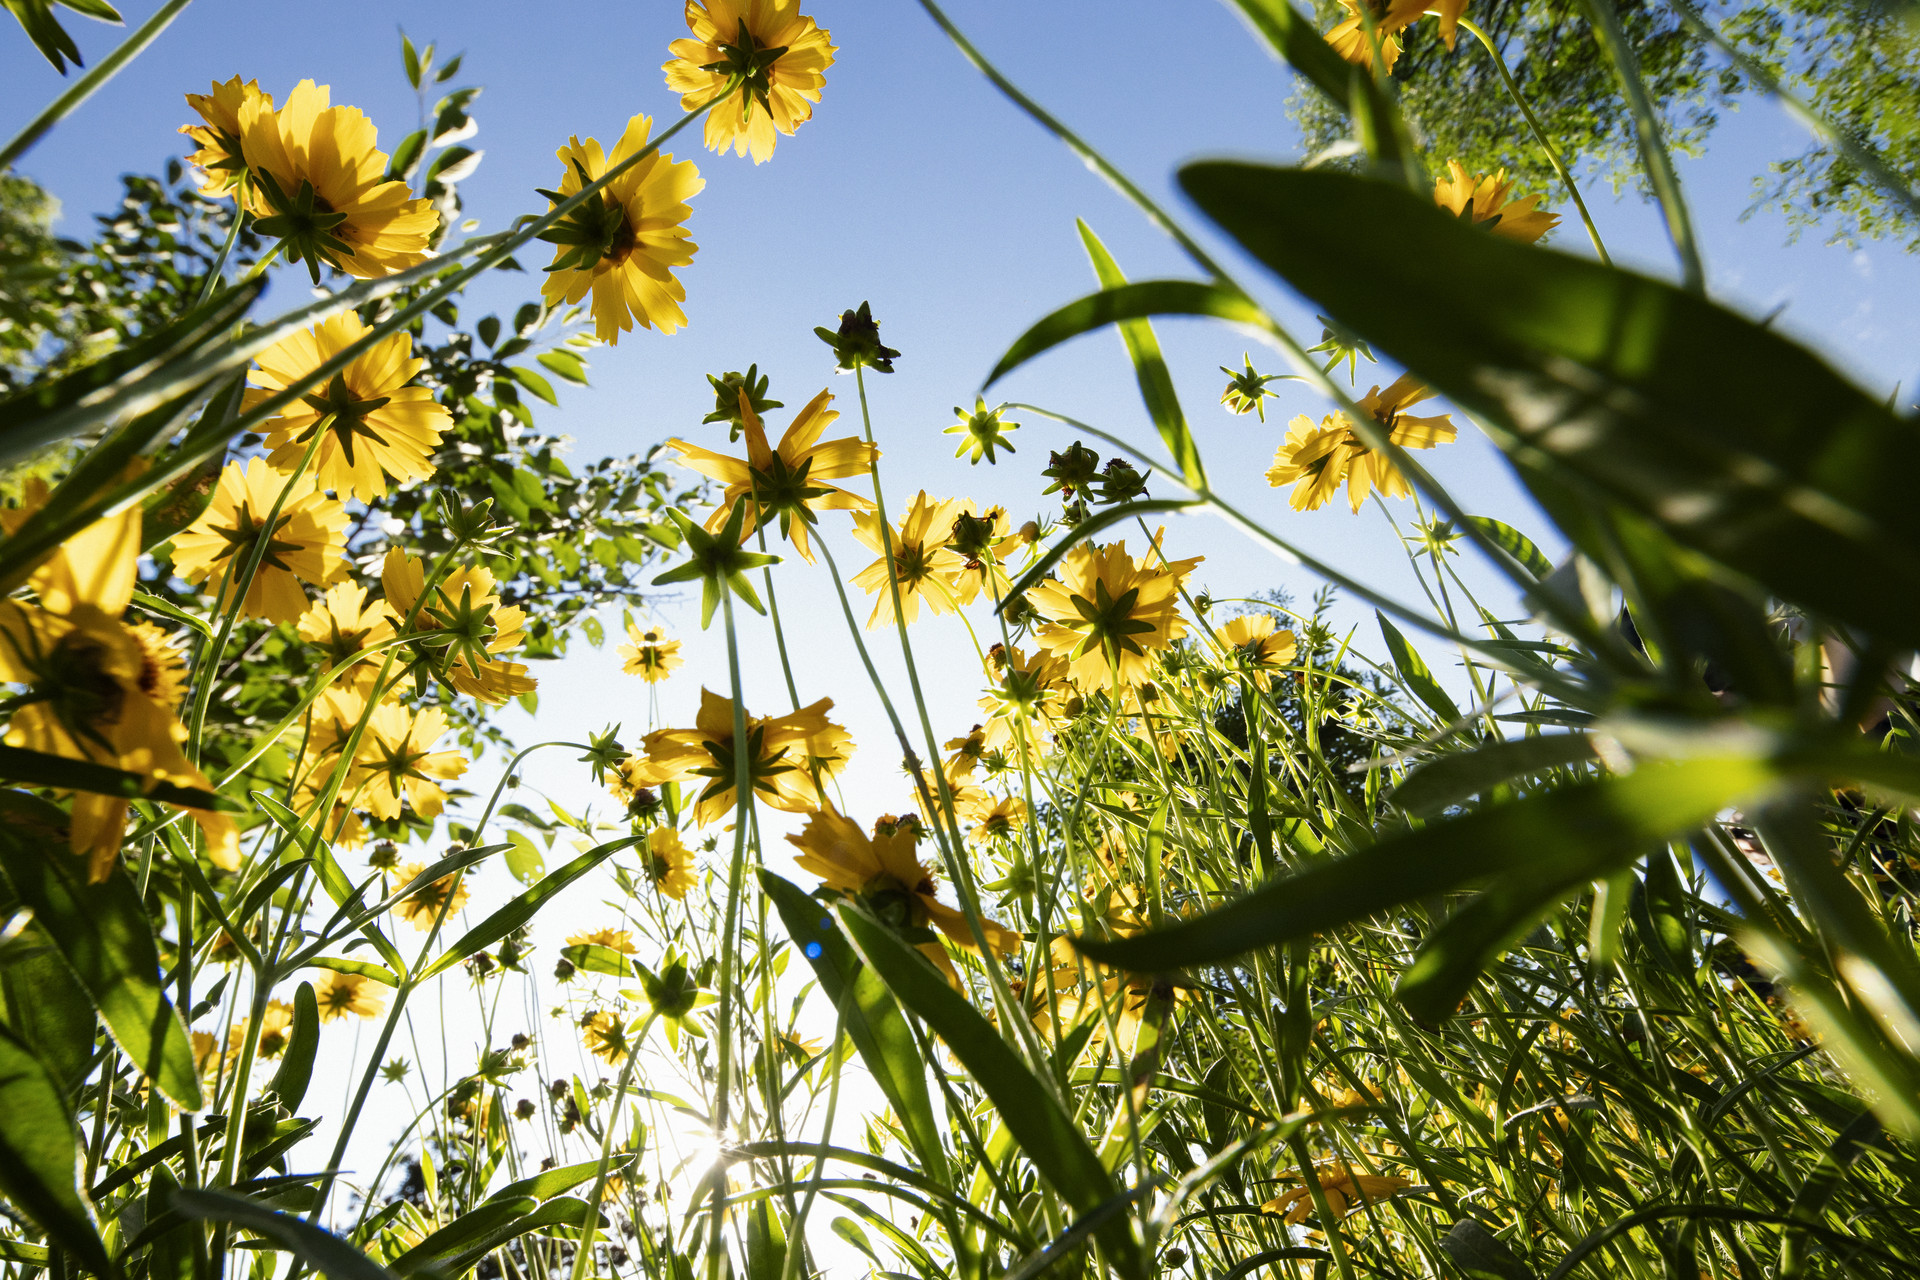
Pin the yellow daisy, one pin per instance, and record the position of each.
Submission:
(1482, 200)
(780, 55)
(304, 543)
(341, 994)
(651, 656)
(612, 939)
(926, 566)
(375, 424)
(1104, 613)
(320, 187)
(465, 606)
(1253, 640)
(425, 905)
(670, 863)
(623, 243)
(994, 817)
(606, 1037)
(397, 761)
(786, 749)
(276, 1031)
(343, 622)
(219, 159)
(1024, 702)
(785, 482)
(1315, 459)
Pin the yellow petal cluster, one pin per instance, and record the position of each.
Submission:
(1314, 460)
(732, 31)
(785, 753)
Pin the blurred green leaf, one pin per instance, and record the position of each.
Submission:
(41, 1157)
(1515, 544)
(1451, 778)
(525, 862)
(454, 1248)
(37, 20)
(321, 1250)
(1127, 302)
(104, 935)
(1733, 439)
(37, 768)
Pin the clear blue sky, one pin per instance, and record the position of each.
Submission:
(919, 188)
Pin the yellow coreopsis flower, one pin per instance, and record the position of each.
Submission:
(925, 565)
(885, 871)
(1482, 200)
(994, 816)
(612, 939)
(1024, 702)
(397, 761)
(464, 605)
(780, 56)
(276, 1031)
(651, 656)
(219, 159)
(320, 186)
(1390, 18)
(785, 750)
(343, 622)
(1253, 639)
(304, 543)
(1315, 459)
(670, 862)
(374, 423)
(623, 243)
(785, 482)
(97, 689)
(1345, 1191)
(343, 994)
(605, 1037)
(425, 905)
(1104, 613)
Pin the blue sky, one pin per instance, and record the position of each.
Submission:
(917, 187)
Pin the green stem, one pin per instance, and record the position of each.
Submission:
(1540, 136)
(583, 1255)
(85, 87)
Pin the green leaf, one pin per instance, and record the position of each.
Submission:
(321, 1250)
(365, 968)
(1449, 779)
(41, 1158)
(553, 1182)
(879, 1033)
(1028, 1105)
(1150, 370)
(47, 1007)
(454, 1248)
(1481, 1254)
(103, 933)
(1414, 673)
(410, 58)
(1127, 302)
(1733, 439)
(565, 365)
(296, 1069)
(1574, 833)
(595, 958)
(1515, 544)
(39, 769)
(523, 908)
(1660, 914)
(406, 157)
(524, 859)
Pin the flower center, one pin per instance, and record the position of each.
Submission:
(343, 412)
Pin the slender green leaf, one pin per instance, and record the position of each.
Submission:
(321, 1250)
(521, 909)
(39, 769)
(1736, 441)
(104, 935)
(1452, 778)
(296, 1068)
(1414, 673)
(553, 1182)
(1515, 544)
(41, 1157)
(1150, 369)
(1028, 1107)
(1127, 302)
(1585, 829)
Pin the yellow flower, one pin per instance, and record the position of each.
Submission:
(994, 817)
(612, 939)
(205, 1052)
(464, 606)
(1345, 1191)
(340, 994)
(927, 568)
(1317, 458)
(304, 543)
(670, 862)
(651, 656)
(374, 423)
(886, 873)
(624, 242)
(97, 689)
(1482, 200)
(780, 54)
(276, 1031)
(1104, 613)
(785, 749)
(785, 481)
(320, 186)
(605, 1037)
(1023, 703)
(343, 622)
(219, 160)
(966, 754)
(397, 761)
(1252, 639)
(424, 905)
